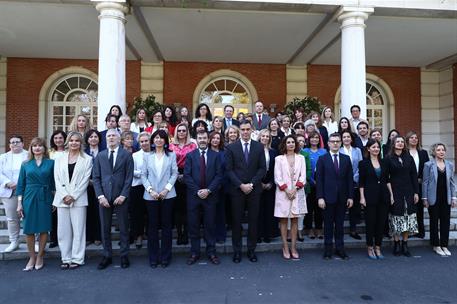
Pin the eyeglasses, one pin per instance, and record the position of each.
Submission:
(182, 130)
(334, 141)
(15, 142)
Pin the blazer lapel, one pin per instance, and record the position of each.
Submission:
(66, 177)
(164, 165)
(435, 172)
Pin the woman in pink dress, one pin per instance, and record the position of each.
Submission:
(290, 179)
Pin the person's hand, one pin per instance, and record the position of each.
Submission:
(321, 203)
(264, 186)
(363, 202)
(104, 202)
(11, 185)
(425, 202)
(291, 193)
(119, 200)
(203, 193)
(20, 211)
(416, 198)
(392, 201)
(163, 194)
(246, 188)
(350, 202)
(454, 203)
(68, 200)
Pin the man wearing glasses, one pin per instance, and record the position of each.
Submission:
(334, 191)
(10, 165)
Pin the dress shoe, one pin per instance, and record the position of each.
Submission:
(311, 234)
(371, 254)
(192, 259)
(153, 265)
(446, 251)
(285, 253)
(397, 249)
(97, 243)
(236, 257)
(165, 264)
(125, 263)
(139, 243)
(342, 254)
(439, 251)
(39, 263)
(179, 240)
(327, 254)
(104, 263)
(295, 256)
(29, 267)
(378, 253)
(214, 259)
(53, 244)
(355, 236)
(74, 266)
(252, 257)
(12, 247)
(404, 249)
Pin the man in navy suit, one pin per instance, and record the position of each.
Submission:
(246, 166)
(112, 175)
(228, 117)
(334, 191)
(260, 120)
(203, 177)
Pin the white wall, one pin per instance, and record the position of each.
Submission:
(437, 109)
(2, 103)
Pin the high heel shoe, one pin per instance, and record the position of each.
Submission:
(29, 266)
(286, 254)
(371, 254)
(39, 266)
(379, 253)
(295, 256)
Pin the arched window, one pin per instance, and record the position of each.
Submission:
(225, 87)
(71, 95)
(380, 104)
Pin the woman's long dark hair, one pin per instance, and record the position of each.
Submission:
(371, 142)
(51, 141)
(209, 116)
(89, 134)
(173, 119)
(162, 134)
(118, 107)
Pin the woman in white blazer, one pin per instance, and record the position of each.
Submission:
(159, 174)
(71, 174)
(290, 203)
(439, 195)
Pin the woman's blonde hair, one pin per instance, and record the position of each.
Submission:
(74, 123)
(237, 130)
(265, 131)
(434, 146)
(37, 141)
(332, 117)
(175, 136)
(80, 138)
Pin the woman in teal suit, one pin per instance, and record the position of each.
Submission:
(34, 190)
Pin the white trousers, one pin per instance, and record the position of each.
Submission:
(10, 205)
(71, 233)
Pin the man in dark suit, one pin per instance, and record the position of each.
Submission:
(112, 176)
(260, 120)
(246, 166)
(334, 191)
(111, 121)
(228, 117)
(203, 176)
(362, 139)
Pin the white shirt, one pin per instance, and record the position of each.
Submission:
(348, 152)
(287, 133)
(332, 127)
(138, 160)
(228, 122)
(206, 154)
(116, 150)
(158, 164)
(415, 156)
(243, 145)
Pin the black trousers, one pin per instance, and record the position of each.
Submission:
(420, 214)
(180, 208)
(106, 216)
(355, 211)
(207, 207)
(268, 223)
(440, 212)
(53, 234)
(160, 215)
(375, 219)
(314, 212)
(221, 231)
(93, 232)
(334, 225)
(137, 211)
(240, 201)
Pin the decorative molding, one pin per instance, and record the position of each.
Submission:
(152, 80)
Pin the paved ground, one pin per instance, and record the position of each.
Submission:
(426, 278)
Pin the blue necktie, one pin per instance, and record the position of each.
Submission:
(246, 152)
(335, 163)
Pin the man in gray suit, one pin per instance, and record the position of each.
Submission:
(260, 119)
(112, 176)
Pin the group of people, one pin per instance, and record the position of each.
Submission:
(294, 176)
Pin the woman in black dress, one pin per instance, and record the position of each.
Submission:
(404, 194)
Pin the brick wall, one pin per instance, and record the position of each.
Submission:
(181, 79)
(454, 91)
(25, 79)
(324, 81)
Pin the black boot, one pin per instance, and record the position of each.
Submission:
(404, 249)
(397, 250)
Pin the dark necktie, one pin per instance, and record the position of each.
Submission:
(260, 121)
(202, 171)
(335, 163)
(246, 152)
(111, 159)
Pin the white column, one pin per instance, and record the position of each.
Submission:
(111, 57)
(353, 76)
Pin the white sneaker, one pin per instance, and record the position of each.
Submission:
(12, 247)
(439, 251)
(446, 251)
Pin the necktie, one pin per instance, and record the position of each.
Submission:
(246, 152)
(202, 171)
(111, 159)
(335, 163)
(260, 121)
(229, 122)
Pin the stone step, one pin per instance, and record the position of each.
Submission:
(225, 248)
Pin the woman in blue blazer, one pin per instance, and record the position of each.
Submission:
(159, 174)
(439, 195)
